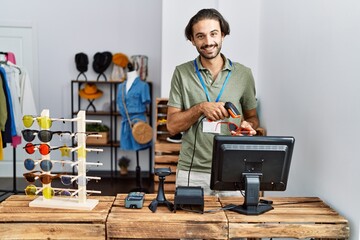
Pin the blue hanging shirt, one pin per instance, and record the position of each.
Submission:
(10, 130)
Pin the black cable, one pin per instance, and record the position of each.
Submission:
(192, 158)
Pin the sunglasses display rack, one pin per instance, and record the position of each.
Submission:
(75, 198)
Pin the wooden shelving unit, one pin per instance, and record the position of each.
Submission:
(166, 153)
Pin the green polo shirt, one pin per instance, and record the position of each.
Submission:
(186, 91)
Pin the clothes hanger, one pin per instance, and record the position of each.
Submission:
(6, 62)
(4, 54)
(13, 65)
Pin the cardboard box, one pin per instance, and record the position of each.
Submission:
(104, 139)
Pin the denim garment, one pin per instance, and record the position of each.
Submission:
(136, 99)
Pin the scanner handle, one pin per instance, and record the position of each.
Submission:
(232, 110)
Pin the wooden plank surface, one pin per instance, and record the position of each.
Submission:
(19, 221)
(300, 231)
(70, 231)
(173, 159)
(163, 224)
(292, 217)
(164, 147)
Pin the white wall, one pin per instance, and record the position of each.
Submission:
(309, 88)
(175, 48)
(241, 45)
(64, 28)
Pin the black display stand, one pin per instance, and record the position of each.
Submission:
(160, 198)
(252, 205)
(14, 189)
(139, 187)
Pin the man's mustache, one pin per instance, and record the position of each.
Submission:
(206, 46)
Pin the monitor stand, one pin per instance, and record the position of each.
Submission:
(251, 205)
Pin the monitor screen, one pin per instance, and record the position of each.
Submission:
(251, 164)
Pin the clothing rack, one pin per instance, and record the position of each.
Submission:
(8, 59)
(14, 189)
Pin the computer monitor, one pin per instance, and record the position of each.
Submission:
(252, 164)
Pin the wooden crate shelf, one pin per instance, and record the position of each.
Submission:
(166, 153)
(19, 221)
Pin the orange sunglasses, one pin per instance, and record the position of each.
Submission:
(44, 148)
(234, 127)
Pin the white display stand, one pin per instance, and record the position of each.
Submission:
(79, 200)
(64, 203)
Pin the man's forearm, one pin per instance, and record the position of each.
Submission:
(254, 122)
(180, 121)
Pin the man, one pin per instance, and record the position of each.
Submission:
(199, 90)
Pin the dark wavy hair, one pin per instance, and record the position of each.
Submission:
(209, 13)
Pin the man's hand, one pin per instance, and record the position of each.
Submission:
(181, 120)
(214, 111)
(245, 129)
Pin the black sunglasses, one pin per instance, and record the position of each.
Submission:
(43, 135)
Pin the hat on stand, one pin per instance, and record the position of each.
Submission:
(81, 61)
(90, 91)
(120, 61)
(102, 61)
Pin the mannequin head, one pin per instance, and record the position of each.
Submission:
(131, 74)
(130, 67)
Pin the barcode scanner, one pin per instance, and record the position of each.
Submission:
(232, 110)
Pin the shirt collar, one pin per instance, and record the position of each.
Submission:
(227, 65)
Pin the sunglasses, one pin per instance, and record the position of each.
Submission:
(233, 127)
(64, 192)
(49, 192)
(65, 151)
(80, 180)
(45, 164)
(32, 190)
(44, 148)
(43, 122)
(43, 135)
(44, 177)
(66, 137)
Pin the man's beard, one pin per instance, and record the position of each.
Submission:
(212, 55)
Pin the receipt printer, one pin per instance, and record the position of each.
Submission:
(189, 198)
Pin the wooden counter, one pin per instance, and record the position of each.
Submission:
(142, 223)
(19, 221)
(292, 217)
